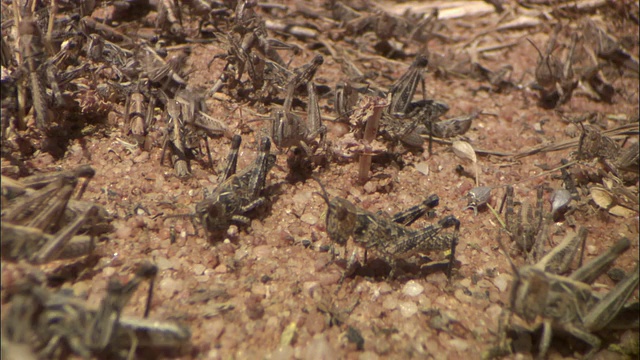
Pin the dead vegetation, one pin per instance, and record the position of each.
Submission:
(540, 97)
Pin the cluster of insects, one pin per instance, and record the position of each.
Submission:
(62, 69)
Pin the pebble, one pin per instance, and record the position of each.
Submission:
(385, 288)
(389, 303)
(198, 269)
(370, 187)
(422, 167)
(142, 158)
(109, 271)
(461, 296)
(408, 308)
(459, 344)
(368, 355)
(285, 352)
(319, 348)
(501, 282)
(308, 218)
(412, 288)
(163, 263)
(214, 328)
(170, 286)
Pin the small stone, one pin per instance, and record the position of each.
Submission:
(309, 218)
(408, 308)
(319, 348)
(198, 269)
(170, 286)
(412, 288)
(163, 263)
(422, 167)
(285, 352)
(214, 328)
(370, 187)
(142, 158)
(461, 296)
(385, 288)
(389, 303)
(459, 344)
(501, 282)
(109, 271)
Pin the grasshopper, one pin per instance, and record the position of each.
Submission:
(554, 79)
(33, 54)
(403, 116)
(187, 125)
(175, 139)
(239, 193)
(289, 130)
(593, 144)
(525, 226)
(139, 115)
(566, 303)
(59, 323)
(41, 225)
(389, 237)
(300, 77)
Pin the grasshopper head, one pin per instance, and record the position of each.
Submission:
(341, 216)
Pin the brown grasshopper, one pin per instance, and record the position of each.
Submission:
(32, 51)
(593, 145)
(301, 77)
(198, 125)
(238, 194)
(42, 225)
(139, 115)
(402, 117)
(389, 237)
(187, 124)
(565, 303)
(554, 79)
(58, 324)
(175, 139)
(289, 130)
(528, 223)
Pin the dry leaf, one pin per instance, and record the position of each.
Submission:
(464, 150)
(621, 211)
(602, 197)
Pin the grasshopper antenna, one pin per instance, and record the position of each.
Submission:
(324, 195)
(504, 250)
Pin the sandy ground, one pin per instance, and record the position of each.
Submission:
(270, 290)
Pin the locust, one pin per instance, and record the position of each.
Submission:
(554, 78)
(593, 144)
(139, 115)
(389, 237)
(239, 193)
(289, 130)
(527, 224)
(58, 324)
(175, 139)
(566, 303)
(402, 118)
(44, 224)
